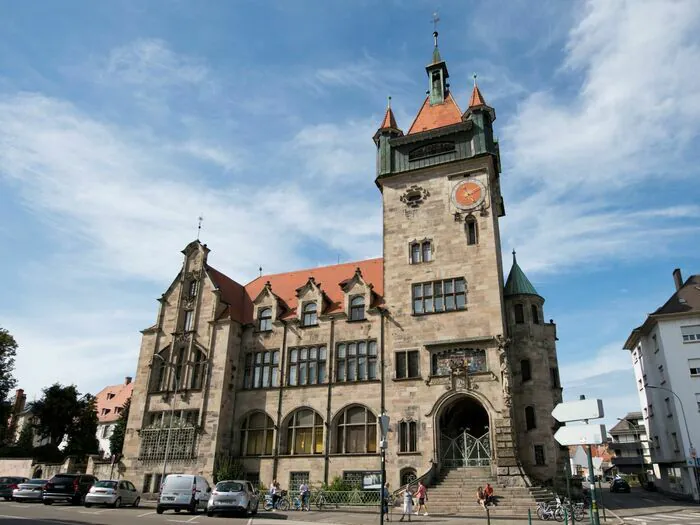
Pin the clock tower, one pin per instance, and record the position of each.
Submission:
(444, 289)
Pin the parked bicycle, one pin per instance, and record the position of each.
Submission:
(283, 503)
(559, 510)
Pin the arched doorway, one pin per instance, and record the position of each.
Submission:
(465, 438)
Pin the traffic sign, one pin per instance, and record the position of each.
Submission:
(578, 410)
(581, 435)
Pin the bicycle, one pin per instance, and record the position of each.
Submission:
(283, 502)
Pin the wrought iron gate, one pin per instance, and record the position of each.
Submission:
(465, 450)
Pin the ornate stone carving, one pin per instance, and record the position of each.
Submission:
(414, 196)
(503, 343)
(181, 338)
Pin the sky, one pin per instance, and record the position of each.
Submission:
(121, 122)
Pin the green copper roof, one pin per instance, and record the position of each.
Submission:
(518, 283)
(436, 56)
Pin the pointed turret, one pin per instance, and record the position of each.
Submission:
(388, 130)
(477, 103)
(518, 283)
(482, 116)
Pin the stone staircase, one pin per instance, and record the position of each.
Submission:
(455, 493)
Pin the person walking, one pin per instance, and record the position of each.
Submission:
(304, 494)
(275, 493)
(422, 495)
(407, 503)
(385, 500)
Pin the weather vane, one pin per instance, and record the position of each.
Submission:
(199, 225)
(436, 19)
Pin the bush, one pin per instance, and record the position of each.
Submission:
(227, 468)
(338, 484)
(48, 454)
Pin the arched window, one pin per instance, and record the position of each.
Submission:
(408, 476)
(530, 422)
(304, 432)
(357, 308)
(160, 371)
(525, 370)
(519, 312)
(415, 253)
(535, 314)
(309, 318)
(257, 435)
(193, 287)
(180, 369)
(356, 431)
(197, 367)
(426, 251)
(472, 230)
(265, 319)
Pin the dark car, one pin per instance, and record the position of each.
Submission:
(619, 485)
(8, 484)
(68, 487)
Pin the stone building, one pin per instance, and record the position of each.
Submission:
(289, 373)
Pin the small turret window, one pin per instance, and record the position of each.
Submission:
(519, 312)
(535, 314)
(530, 422)
(471, 230)
(525, 370)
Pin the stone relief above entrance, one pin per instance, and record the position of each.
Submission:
(456, 368)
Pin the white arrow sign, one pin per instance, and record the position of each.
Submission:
(581, 435)
(578, 410)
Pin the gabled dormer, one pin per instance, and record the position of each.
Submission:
(267, 309)
(311, 303)
(358, 297)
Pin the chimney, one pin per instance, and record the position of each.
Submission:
(127, 380)
(677, 278)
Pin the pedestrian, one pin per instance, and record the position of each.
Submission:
(422, 495)
(481, 497)
(407, 503)
(304, 494)
(488, 494)
(385, 500)
(274, 493)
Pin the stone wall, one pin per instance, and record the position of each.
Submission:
(16, 467)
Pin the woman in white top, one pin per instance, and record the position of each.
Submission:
(407, 504)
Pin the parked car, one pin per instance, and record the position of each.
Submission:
(68, 487)
(183, 492)
(114, 493)
(8, 484)
(30, 490)
(619, 485)
(233, 496)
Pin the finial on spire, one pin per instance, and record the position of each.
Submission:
(260, 270)
(513, 256)
(436, 19)
(199, 225)
(388, 102)
(474, 79)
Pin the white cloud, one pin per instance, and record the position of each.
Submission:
(606, 360)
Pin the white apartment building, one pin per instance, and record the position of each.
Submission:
(665, 351)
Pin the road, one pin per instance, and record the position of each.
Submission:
(641, 507)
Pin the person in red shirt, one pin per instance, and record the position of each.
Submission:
(488, 493)
(422, 495)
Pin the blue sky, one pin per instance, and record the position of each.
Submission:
(121, 122)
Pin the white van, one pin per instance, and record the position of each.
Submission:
(183, 492)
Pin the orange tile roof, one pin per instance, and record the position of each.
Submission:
(107, 404)
(232, 293)
(389, 121)
(477, 99)
(328, 278)
(436, 116)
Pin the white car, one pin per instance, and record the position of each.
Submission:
(183, 492)
(113, 493)
(234, 496)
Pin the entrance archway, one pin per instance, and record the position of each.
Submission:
(465, 437)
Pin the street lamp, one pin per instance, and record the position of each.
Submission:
(172, 408)
(383, 444)
(690, 441)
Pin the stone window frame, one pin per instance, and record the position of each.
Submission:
(318, 364)
(266, 431)
(420, 252)
(160, 378)
(264, 319)
(471, 230)
(519, 313)
(540, 456)
(188, 321)
(292, 427)
(407, 354)
(530, 418)
(407, 436)
(252, 363)
(356, 312)
(341, 428)
(426, 293)
(312, 319)
(192, 288)
(535, 313)
(343, 361)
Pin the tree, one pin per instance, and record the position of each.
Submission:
(56, 412)
(116, 440)
(82, 434)
(25, 442)
(8, 351)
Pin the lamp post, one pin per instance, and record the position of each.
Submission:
(384, 429)
(685, 421)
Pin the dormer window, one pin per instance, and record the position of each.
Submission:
(110, 395)
(265, 319)
(357, 308)
(309, 315)
(421, 252)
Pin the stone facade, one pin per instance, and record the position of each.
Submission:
(426, 335)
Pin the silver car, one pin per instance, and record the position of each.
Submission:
(31, 490)
(233, 496)
(113, 493)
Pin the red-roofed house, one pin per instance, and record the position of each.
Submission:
(290, 373)
(109, 404)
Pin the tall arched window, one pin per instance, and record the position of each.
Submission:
(357, 308)
(197, 368)
(472, 230)
(159, 378)
(356, 431)
(257, 435)
(180, 369)
(530, 422)
(265, 320)
(535, 314)
(415, 253)
(309, 315)
(304, 432)
(519, 312)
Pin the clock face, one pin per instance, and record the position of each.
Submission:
(468, 194)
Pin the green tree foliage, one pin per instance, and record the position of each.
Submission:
(82, 433)
(116, 440)
(8, 351)
(25, 442)
(56, 411)
(226, 467)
